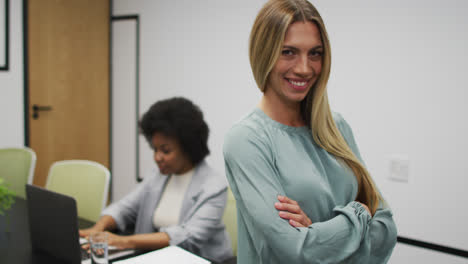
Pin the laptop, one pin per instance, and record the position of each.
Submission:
(53, 225)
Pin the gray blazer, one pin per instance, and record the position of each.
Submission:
(200, 229)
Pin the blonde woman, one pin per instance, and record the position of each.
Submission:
(303, 194)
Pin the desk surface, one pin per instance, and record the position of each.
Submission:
(15, 245)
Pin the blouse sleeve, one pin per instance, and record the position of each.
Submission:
(125, 211)
(204, 223)
(380, 239)
(250, 169)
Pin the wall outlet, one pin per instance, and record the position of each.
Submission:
(399, 168)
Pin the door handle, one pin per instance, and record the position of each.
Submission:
(36, 108)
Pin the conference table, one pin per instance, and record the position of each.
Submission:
(15, 243)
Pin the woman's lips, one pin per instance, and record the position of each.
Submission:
(162, 168)
(299, 85)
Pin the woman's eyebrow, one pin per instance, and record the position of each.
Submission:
(289, 47)
(160, 146)
(320, 46)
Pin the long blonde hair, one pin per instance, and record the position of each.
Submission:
(266, 43)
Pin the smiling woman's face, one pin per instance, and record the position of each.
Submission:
(299, 64)
(169, 156)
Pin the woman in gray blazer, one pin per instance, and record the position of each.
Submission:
(180, 203)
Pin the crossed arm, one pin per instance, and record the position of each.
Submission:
(291, 211)
(352, 234)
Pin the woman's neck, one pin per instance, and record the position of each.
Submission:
(286, 114)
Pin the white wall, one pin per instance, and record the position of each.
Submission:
(124, 108)
(197, 50)
(399, 77)
(11, 84)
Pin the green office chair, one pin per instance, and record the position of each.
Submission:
(17, 168)
(86, 181)
(230, 220)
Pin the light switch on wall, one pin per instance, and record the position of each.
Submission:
(399, 168)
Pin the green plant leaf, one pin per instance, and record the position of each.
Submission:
(7, 197)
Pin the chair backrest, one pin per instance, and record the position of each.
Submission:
(86, 181)
(230, 220)
(17, 168)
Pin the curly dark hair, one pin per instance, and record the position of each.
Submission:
(182, 120)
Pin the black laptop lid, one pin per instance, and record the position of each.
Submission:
(53, 223)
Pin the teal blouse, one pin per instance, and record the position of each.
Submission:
(263, 159)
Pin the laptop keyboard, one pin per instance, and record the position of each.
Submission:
(84, 254)
(113, 252)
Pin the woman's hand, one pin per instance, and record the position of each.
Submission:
(106, 222)
(290, 210)
(120, 242)
(367, 208)
(88, 231)
(85, 233)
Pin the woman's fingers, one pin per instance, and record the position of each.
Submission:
(294, 219)
(295, 224)
(288, 207)
(83, 232)
(290, 210)
(300, 219)
(285, 199)
(88, 231)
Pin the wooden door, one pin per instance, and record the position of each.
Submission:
(68, 79)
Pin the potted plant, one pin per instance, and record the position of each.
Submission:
(7, 198)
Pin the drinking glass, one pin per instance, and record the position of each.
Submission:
(99, 248)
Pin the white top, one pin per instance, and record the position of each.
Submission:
(168, 210)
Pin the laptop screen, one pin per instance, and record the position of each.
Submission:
(53, 223)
